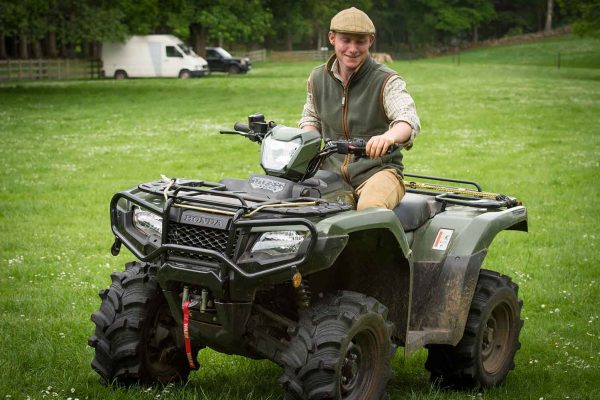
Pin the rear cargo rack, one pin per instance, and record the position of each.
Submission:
(447, 194)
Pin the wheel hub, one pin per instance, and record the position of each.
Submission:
(350, 368)
(496, 338)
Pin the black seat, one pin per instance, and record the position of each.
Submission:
(415, 209)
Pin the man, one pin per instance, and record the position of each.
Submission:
(352, 96)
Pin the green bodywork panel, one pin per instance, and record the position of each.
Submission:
(372, 218)
(473, 230)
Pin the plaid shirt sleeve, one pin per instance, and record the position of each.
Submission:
(309, 114)
(399, 106)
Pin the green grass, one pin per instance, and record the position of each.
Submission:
(574, 52)
(525, 130)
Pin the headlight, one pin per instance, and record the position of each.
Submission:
(147, 222)
(276, 154)
(280, 243)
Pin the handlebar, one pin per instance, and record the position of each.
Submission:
(241, 127)
(357, 147)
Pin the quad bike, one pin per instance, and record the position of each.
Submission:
(280, 266)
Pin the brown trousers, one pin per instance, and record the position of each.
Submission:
(385, 189)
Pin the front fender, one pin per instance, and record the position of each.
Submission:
(372, 218)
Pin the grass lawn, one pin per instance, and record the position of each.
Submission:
(527, 130)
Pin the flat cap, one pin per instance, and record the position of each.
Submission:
(352, 20)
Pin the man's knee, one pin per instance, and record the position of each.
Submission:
(384, 190)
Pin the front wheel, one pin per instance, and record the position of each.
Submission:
(485, 354)
(185, 74)
(135, 337)
(341, 350)
(120, 75)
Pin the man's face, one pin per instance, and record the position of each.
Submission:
(350, 50)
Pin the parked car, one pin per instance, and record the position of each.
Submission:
(152, 56)
(219, 59)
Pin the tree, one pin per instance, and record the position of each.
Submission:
(291, 22)
(584, 15)
(549, 9)
(218, 21)
(457, 17)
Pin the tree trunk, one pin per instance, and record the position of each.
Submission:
(37, 49)
(85, 49)
(23, 51)
(549, 9)
(51, 45)
(198, 39)
(96, 50)
(3, 54)
(475, 34)
(289, 41)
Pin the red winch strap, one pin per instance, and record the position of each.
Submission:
(186, 333)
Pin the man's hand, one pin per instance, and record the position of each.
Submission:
(378, 145)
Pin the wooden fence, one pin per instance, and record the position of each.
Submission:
(49, 69)
(257, 55)
(296, 56)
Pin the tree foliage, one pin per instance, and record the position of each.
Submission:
(278, 24)
(585, 15)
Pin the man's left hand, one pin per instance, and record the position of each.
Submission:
(378, 145)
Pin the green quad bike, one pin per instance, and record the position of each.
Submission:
(280, 266)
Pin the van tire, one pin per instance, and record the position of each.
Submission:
(234, 69)
(185, 74)
(120, 75)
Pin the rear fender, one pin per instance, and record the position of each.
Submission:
(445, 275)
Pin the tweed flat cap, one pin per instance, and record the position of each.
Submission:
(352, 20)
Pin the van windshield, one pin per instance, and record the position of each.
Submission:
(185, 49)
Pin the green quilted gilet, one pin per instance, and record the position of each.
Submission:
(354, 112)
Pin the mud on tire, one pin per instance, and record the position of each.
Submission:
(485, 354)
(341, 350)
(134, 340)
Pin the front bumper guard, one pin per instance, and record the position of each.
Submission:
(287, 264)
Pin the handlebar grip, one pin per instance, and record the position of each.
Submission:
(241, 127)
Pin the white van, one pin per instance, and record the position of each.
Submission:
(151, 56)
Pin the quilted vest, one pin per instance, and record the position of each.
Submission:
(355, 111)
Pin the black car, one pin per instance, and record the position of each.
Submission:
(221, 61)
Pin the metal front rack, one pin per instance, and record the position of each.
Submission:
(214, 198)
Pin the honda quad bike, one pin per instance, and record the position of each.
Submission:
(280, 266)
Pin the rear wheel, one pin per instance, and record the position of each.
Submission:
(135, 337)
(341, 350)
(120, 75)
(485, 354)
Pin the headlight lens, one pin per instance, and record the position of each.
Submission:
(147, 222)
(276, 154)
(280, 243)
